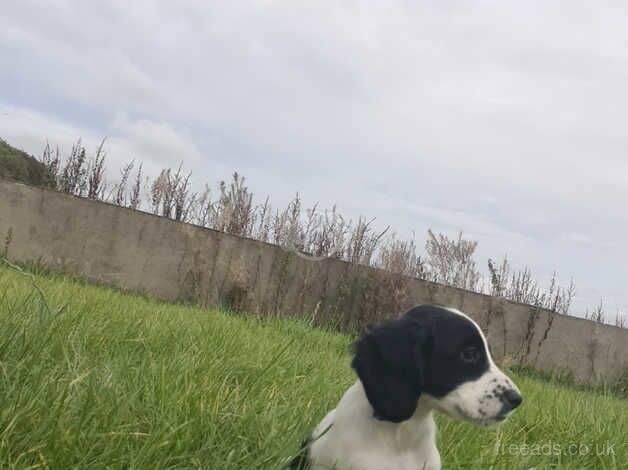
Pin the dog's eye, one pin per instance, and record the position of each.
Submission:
(470, 355)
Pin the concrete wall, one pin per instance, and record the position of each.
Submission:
(175, 261)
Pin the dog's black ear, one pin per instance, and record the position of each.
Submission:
(389, 360)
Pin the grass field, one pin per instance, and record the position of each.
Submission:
(94, 378)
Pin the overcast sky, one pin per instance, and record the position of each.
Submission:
(506, 120)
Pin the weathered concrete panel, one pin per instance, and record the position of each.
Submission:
(174, 261)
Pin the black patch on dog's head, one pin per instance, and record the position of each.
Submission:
(459, 354)
(389, 361)
(428, 350)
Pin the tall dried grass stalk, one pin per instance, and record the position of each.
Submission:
(310, 232)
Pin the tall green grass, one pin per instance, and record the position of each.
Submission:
(94, 378)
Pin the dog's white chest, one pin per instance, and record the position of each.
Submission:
(349, 438)
(375, 458)
(412, 460)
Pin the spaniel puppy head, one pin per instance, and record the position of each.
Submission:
(437, 354)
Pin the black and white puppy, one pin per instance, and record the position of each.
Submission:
(432, 358)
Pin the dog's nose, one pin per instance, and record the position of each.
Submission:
(513, 398)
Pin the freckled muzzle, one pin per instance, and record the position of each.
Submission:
(488, 400)
(508, 397)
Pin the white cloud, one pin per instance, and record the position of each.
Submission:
(30, 130)
(156, 144)
(577, 238)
